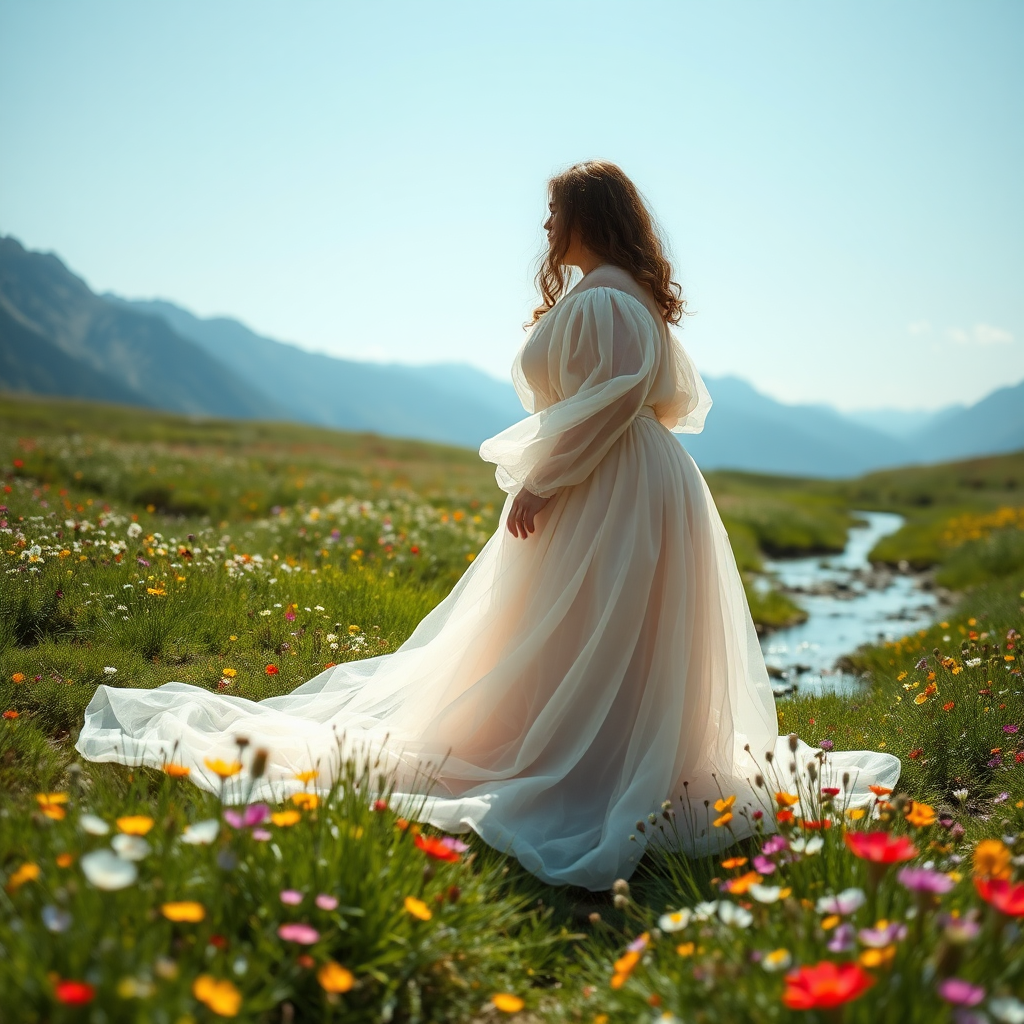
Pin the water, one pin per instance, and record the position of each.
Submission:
(849, 602)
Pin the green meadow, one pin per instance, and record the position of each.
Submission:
(140, 547)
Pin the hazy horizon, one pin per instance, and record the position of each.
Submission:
(839, 184)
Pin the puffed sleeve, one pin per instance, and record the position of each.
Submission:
(603, 354)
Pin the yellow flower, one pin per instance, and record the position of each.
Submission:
(335, 978)
(219, 996)
(309, 776)
(307, 801)
(418, 908)
(354, 629)
(786, 799)
(285, 818)
(992, 859)
(877, 957)
(921, 815)
(222, 768)
(855, 813)
(685, 949)
(158, 592)
(232, 637)
(52, 798)
(901, 677)
(26, 873)
(723, 820)
(51, 805)
(507, 1003)
(724, 805)
(920, 698)
(734, 862)
(135, 824)
(187, 911)
(830, 922)
(229, 672)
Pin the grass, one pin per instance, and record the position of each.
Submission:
(163, 548)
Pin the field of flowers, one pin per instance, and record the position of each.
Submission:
(131, 895)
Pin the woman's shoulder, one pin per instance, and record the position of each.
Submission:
(615, 284)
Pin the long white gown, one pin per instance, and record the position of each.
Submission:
(570, 682)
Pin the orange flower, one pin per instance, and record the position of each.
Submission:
(880, 790)
(11, 714)
(188, 911)
(219, 996)
(784, 799)
(992, 859)
(18, 677)
(335, 978)
(784, 817)
(271, 670)
(734, 862)
(877, 957)
(65, 860)
(176, 771)
(816, 826)
(723, 820)
(738, 886)
(948, 706)
(224, 769)
(135, 824)
(724, 804)
(26, 873)
(307, 801)
(921, 815)
(436, 848)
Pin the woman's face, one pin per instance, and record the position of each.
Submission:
(553, 226)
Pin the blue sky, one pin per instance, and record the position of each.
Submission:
(840, 183)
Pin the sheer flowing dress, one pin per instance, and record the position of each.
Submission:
(570, 682)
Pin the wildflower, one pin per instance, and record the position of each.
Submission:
(417, 908)
(775, 844)
(219, 996)
(705, 910)
(776, 960)
(335, 978)
(924, 880)
(28, 872)
(18, 677)
(827, 745)
(731, 914)
(784, 817)
(307, 801)
(828, 923)
(880, 847)
(11, 713)
(675, 921)
(272, 670)
(135, 824)
(202, 833)
(176, 771)
(507, 1003)
(723, 819)
(307, 776)
(880, 790)
(229, 672)
(64, 860)
(187, 911)
(960, 992)
(106, 870)
(254, 814)
(435, 848)
(763, 864)
(291, 897)
(921, 698)
(686, 949)
(1002, 894)
(55, 920)
(784, 799)
(855, 813)
(921, 815)
(948, 706)
(874, 958)
(825, 985)
(734, 862)
(960, 794)
(991, 859)
(808, 847)
(222, 769)
(842, 939)
(1010, 728)
(768, 893)
(815, 826)
(847, 902)
(326, 902)
(130, 847)
(830, 791)
(74, 993)
(298, 932)
(883, 934)
(93, 825)
(1007, 1010)
(740, 886)
(283, 819)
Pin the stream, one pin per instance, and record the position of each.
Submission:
(849, 602)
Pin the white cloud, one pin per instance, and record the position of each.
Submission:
(919, 327)
(980, 334)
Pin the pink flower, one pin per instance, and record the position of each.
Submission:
(763, 865)
(453, 844)
(960, 992)
(924, 880)
(261, 835)
(774, 845)
(291, 897)
(254, 814)
(1010, 728)
(297, 932)
(326, 902)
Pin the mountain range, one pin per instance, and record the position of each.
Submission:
(57, 337)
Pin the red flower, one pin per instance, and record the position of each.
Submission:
(830, 791)
(880, 847)
(1002, 894)
(915, 753)
(272, 670)
(825, 985)
(380, 805)
(74, 993)
(782, 817)
(816, 826)
(10, 714)
(435, 848)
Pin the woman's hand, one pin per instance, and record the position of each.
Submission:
(524, 507)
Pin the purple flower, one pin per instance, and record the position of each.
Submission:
(995, 762)
(254, 814)
(827, 745)
(1001, 799)
(957, 830)
(326, 902)
(922, 664)
(292, 897)
(296, 932)
(842, 938)
(879, 937)
(964, 1016)
(960, 930)
(924, 880)
(960, 992)
(142, 561)
(774, 845)
(763, 865)
(1010, 728)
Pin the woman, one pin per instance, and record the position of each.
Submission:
(598, 657)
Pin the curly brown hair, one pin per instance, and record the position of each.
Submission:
(596, 200)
